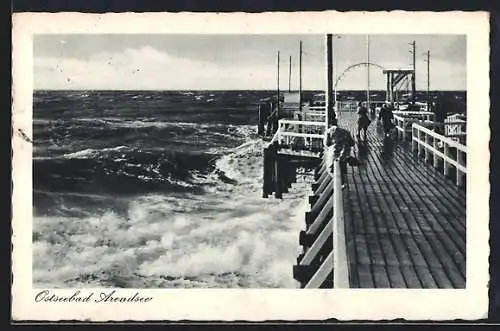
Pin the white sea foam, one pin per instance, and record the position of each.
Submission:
(91, 153)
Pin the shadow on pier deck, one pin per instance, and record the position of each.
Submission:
(403, 221)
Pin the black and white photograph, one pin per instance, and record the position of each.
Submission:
(151, 173)
(289, 161)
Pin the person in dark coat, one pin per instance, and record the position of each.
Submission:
(363, 121)
(386, 116)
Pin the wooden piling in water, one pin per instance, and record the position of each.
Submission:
(267, 173)
(277, 177)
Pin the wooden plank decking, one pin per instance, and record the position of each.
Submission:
(404, 221)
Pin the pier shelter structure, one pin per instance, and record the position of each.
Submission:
(395, 77)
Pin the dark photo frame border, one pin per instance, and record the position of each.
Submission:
(94, 6)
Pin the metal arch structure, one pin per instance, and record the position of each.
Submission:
(395, 78)
(355, 66)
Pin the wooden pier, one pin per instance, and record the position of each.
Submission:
(400, 221)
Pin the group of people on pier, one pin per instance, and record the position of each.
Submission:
(385, 116)
(339, 141)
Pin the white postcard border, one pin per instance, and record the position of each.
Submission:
(262, 304)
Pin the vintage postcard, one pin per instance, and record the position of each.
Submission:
(250, 167)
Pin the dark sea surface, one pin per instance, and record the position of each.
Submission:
(145, 189)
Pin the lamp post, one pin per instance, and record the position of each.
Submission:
(335, 56)
(413, 78)
(368, 71)
(428, 60)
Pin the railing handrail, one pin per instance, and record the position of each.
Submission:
(401, 118)
(413, 112)
(340, 267)
(282, 130)
(315, 112)
(317, 107)
(450, 142)
(445, 123)
(298, 122)
(301, 135)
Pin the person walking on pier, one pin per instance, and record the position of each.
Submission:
(386, 116)
(340, 142)
(372, 111)
(363, 121)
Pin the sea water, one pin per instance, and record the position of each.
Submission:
(149, 189)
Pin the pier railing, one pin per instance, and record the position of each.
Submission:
(300, 135)
(314, 114)
(295, 144)
(323, 263)
(422, 115)
(404, 120)
(454, 129)
(444, 152)
(340, 269)
(350, 106)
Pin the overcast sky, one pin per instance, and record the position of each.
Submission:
(233, 62)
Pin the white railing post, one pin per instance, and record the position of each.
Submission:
(430, 144)
(414, 137)
(426, 150)
(309, 131)
(419, 139)
(435, 157)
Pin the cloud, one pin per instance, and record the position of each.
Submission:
(148, 68)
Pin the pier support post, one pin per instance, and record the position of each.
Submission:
(260, 129)
(435, 157)
(294, 175)
(277, 178)
(266, 173)
(284, 174)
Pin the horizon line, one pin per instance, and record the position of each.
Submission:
(256, 90)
